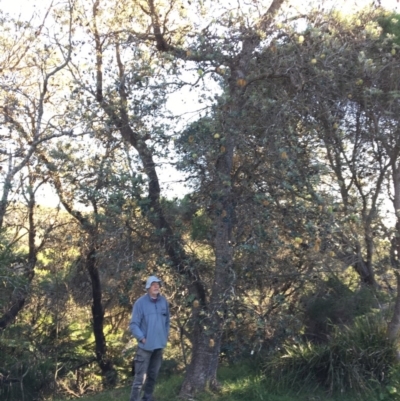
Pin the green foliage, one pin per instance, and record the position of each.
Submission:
(390, 23)
(356, 359)
(238, 382)
(118, 394)
(391, 390)
(12, 275)
(26, 371)
(201, 227)
(300, 120)
(332, 303)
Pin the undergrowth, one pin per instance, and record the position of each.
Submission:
(357, 362)
(239, 383)
(357, 359)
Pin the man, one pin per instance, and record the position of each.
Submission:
(150, 326)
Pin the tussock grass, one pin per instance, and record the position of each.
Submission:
(356, 359)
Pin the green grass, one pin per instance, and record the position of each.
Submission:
(239, 383)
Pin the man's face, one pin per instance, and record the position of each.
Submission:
(154, 289)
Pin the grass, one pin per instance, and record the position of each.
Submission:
(239, 383)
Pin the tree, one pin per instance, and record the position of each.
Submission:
(277, 162)
(105, 194)
(25, 126)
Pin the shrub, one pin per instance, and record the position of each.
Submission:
(334, 304)
(355, 358)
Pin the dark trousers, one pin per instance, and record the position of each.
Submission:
(147, 366)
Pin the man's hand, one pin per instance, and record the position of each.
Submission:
(143, 340)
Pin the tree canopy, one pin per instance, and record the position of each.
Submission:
(291, 165)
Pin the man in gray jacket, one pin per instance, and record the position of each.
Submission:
(150, 326)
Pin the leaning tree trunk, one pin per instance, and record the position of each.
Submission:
(208, 326)
(105, 363)
(394, 325)
(364, 267)
(19, 296)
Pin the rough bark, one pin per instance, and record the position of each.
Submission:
(18, 299)
(394, 325)
(17, 303)
(202, 373)
(104, 362)
(364, 267)
(202, 370)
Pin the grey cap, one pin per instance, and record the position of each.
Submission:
(152, 279)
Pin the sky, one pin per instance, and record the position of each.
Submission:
(25, 8)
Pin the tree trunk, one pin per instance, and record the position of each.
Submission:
(17, 304)
(108, 371)
(394, 325)
(364, 268)
(208, 325)
(202, 370)
(19, 297)
(105, 364)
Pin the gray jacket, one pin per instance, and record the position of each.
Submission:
(150, 320)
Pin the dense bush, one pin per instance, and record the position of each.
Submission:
(356, 358)
(335, 303)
